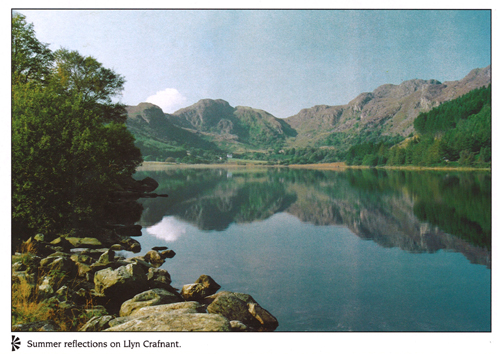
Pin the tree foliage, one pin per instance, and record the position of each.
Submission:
(31, 59)
(66, 155)
(457, 132)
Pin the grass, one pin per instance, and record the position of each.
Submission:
(30, 305)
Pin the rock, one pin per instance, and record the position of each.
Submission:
(208, 283)
(97, 310)
(203, 287)
(268, 322)
(120, 284)
(148, 298)
(154, 258)
(232, 307)
(131, 245)
(86, 242)
(242, 307)
(174, 321)
(185, 306)
(107, 257)
(116, 247)
(158, 278)
(46, 288)
(38, 326)
(193, 292)
(59, 264)
(237, 326)
(97, 323)
(167, 254)
(62, 242)
(139, 261)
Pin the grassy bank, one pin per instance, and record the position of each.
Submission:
(335, 166)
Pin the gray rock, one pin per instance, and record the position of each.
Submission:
(38, 326)
(232, 307)
(148, 298)
(84, 242)
(268, 322)
(158, 278)
(122, 283)
(97, 323)
(237, 326)
(242, 307)
(175, 321)
(208, 283)
(203, 287)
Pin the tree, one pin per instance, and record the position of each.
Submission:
(96, 84)
(31, 59)
(67, 157)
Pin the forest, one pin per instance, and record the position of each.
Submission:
(456, 133)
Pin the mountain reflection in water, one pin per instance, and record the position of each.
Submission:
(416, 211)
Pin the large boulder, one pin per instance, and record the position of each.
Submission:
(181, 320)
(243, 308)
(229, 305)
(122, 283)
(148, 298)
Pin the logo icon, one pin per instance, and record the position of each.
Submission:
(16, 343)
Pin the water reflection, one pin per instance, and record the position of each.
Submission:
(412, 210)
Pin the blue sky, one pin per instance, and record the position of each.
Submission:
(277, 60)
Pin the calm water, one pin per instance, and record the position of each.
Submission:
(360, 250)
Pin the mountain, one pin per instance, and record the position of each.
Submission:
(215, 125)
(157, 136)
(217, 120)
(389, 109)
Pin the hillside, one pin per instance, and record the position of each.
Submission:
(389, 109)
(215, 125)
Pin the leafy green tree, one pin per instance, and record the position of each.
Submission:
(31, 60)
(67, 158)
(96, 84)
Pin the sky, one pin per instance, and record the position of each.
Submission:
(280, 61)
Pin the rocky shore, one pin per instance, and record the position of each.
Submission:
(87, 279)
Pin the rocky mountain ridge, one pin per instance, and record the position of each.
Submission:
(389, 110)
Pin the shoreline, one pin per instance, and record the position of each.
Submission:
(334, 166)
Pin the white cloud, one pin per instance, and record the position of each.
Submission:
(169, 100)
(168, 229)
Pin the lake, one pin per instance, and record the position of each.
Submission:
(355, 250)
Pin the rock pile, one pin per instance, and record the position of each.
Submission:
(80, 275)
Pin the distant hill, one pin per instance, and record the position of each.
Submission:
(389, 109)
(215, 125)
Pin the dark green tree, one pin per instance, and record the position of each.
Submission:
(66, 157)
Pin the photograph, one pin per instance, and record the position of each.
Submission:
(307, 179)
